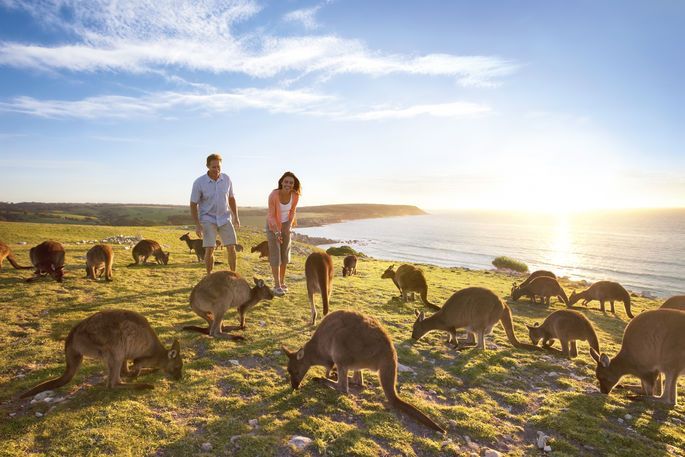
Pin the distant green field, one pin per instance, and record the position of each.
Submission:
(499, 398)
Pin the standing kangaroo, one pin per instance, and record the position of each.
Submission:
(115, 337)
(147, 248)
(567, 326)
(408, 279)
(352, 341)
(476, 309)
(99, 259)
(653, 343)
(47, 258)
(318, 269)
(603, 291)
(196, 245)
(6, 253)
(533, 275)
(349, 266)
(544, 287)
(675, 302)
(219, 291)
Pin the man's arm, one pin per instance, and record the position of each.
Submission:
(196, 218)
(234, 209)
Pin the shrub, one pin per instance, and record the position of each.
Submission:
(343, 251)
(509, 263)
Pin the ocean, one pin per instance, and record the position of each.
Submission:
(643, 250)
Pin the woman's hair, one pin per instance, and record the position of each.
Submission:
(297, 188)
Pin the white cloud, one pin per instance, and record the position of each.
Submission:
(305, 16)
(455, 109)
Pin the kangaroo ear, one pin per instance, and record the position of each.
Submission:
(537, 324)
(416, 312)
(287, 352)
(300, 354)
(422, 316)
(604, 360)
(594, 354)
(175, 350)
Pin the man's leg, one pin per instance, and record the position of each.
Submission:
(209, 259)
(230, 252)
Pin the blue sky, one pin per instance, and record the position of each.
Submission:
(548, 105)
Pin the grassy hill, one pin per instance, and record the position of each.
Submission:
(499, 398)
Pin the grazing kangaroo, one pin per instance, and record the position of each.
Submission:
(99, 259)
(675, 302)
(196, 245)
(544, 287)
(653, 343)
(476, 309)
(352, 341)
(147, 248)
(349, 266)
(115, 337)
(533, 275)
(603, 291)
(262, 248)
(47, 258)
(408, 279)
(318, 269)
(219, 291)
(6, 253)
(567, 326)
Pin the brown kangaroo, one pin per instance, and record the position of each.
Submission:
(115, 337)
(544, 287)
(603, 291)
(219, 291)
(675, 302)
(352, 341)
(408, 279)
(476, 309)
(99, 259)
(6, 253)
(147, 248)
(262, 248)
(318, 269)
(349, 266)
(567, 326)
(196, 245)
(653, 343)
(47, 258)
(533, 275)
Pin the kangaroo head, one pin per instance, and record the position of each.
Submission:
(389, 272)
(174, 362)
(605, 374)
(535, 333)
(298, 365)
(185, 237)
(57, 273)
(165, 257)
(254, 248)
(516, 293)
(573, 298)
(262, 290)
(345, 271)
(418, 331)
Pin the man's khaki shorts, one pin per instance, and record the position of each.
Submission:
(226, 232)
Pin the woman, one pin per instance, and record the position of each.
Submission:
(280, 219)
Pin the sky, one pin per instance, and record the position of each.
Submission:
(521, 105)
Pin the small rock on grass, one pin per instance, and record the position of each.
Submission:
(547, 448)
(492, 453)
(207, 447)
(300, 442)
(404, 369)
(627, 417)
(254, 423)
(234, 362)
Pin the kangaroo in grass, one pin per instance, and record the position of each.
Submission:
(544, 287)
(567, 326)
(318, 269)
(196, 245)
(653, 343)
(603, 291)
(675, 302)
(219, 291)
(147, 248)
(99, 259)
(47, 258)
(6, 253)
(262, 248)
(533, 275)
(116, 337)
(476, 309)
(352, 341)
(408, 279)
(349, 266)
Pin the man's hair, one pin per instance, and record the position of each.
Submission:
(211, 157)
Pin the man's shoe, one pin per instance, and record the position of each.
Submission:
(278, 292)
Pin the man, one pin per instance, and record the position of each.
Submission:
(210, 201)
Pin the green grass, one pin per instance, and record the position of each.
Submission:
(511, 264)
(500, 397)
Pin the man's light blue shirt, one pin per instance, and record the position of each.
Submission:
(212, 198)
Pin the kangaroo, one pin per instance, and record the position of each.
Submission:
(196, 245)
(476, 309)
(99, 259)
(47, 258)
(603, 291)
(6, 253)
(653, 343)
(147, 248)
(533, 275)
(352, 341)
(408, 278)
(349, 266)
(318, 269)
(116, 337)
(567, 326)
(219, 291)
(262, 248)
(675, 302)
(544, 287)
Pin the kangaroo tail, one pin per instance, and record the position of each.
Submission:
(562, 295)
(195, 328)
(325, 286)
(508, 324)
(593, 341)
(626, 303)
(424, 299)
(14, 263)
(388, 377)
(74, 360)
